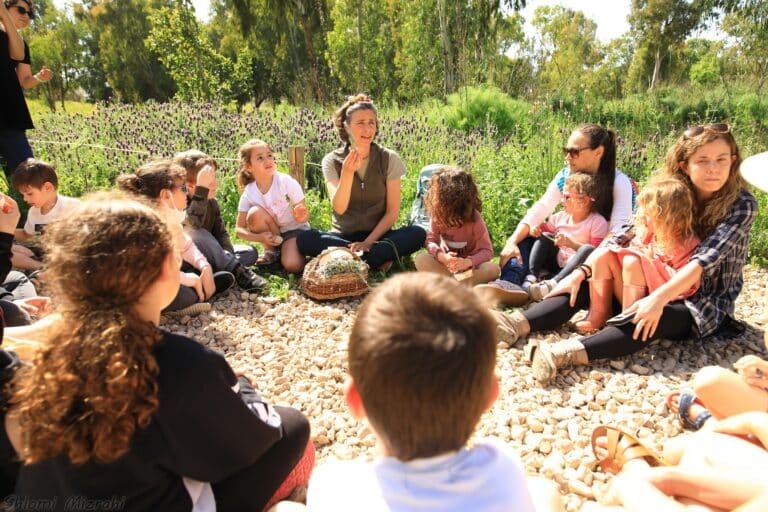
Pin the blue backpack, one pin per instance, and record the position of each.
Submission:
(419, 215)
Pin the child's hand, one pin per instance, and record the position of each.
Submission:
(300, 212)
(206, 278)
(754, 371)
(206, 177)
(563, 240)
(35, 306)
(9, 214)
(455, 265)
(536, 232)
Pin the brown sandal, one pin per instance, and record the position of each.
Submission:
(622, 447)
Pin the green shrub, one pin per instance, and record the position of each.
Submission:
(481, 108)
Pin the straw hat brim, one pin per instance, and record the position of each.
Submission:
(755, 170)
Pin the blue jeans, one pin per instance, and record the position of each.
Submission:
(514, 271)
(406, 241)
(14, 149)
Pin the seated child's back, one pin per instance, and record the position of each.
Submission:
(422, 355)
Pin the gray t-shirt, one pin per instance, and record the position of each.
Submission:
(395, 168)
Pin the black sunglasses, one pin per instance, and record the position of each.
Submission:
(22, 10)
(696, 130)
(574, 152)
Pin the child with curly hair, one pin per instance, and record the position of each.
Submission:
(135, 416)
(664, 242)
(458, 242)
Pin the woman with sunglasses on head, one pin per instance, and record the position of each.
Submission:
(16, 75)
(706, 159)
(591, 149)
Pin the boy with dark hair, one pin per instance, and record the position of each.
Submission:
(37, 183)
(205, 226)
(422, 355)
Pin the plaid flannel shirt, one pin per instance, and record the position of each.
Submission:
(722, 256)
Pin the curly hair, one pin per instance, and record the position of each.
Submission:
(584, 184)
(707, 213)
(670, 204)
(244, 177)
(452, 197)
(353, 104)
(95, 380)
(152, 178)
(606, 172)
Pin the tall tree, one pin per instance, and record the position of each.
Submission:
(660, 26)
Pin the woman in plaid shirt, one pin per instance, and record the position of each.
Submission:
(707, 159)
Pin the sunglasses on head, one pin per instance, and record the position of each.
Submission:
(574, 152)
(696, 130)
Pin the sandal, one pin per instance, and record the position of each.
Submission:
(268, 258)
(622, 447)
(685, 399)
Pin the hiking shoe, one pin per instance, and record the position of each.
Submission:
(537, 291)
(223, 281)
(193, 310)
(248, 280)
(502, 292)
(510, 327)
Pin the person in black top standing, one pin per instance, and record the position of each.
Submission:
(138, 418)
(15, 76)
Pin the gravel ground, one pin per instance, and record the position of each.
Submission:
(295, 352)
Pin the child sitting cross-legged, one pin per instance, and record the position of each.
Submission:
(205, 226)
(422, 354)
(37, 183)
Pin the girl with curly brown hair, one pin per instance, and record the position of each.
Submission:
(458, 242)
(116, 410)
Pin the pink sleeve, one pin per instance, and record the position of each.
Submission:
(598, 230)
(433, 239)
(483, 249)
(548, 227)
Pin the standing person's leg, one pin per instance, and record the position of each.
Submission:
(312, 241)
(14, 149)
(396, 244)
(254, 487)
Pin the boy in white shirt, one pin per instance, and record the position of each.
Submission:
(422, 355)
(37, 183)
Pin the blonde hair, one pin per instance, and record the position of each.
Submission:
(670, 204)
(244, 177)
(585, 184)
(95, 381)
(707, 214)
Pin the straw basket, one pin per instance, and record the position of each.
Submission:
(337, 272)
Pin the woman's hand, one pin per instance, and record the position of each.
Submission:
(300, 212)
(43, 75)
(209, 286)
(352, 163)
(510, 251)
(647, 312)
(570, 285)
(363, 246)
(754, 371)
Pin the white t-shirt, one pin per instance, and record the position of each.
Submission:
(36, 221)
(484, 478)
(279, 201)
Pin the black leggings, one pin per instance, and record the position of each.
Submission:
(252, 487)
(676, 323)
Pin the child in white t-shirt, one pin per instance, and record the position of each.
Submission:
(37, 183)
(422, 391)
(271, 210)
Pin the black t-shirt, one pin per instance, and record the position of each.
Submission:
(203, 429)
(14, 114)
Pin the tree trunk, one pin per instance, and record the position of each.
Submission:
(360, 61)
(656, 68)
(447, 53)
(315, 75)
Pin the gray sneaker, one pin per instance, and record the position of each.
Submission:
(502, 292)
(537, 291)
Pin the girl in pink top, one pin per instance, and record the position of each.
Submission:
(663, 243)
(569, 236)
(458, 242)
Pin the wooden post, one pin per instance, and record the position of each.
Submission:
(296, 164)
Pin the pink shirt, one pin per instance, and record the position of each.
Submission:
(470, 240)
(590, 231)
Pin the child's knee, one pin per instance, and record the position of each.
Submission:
(257, 219)
(710, 377)
(424, 261)
(630, 265)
